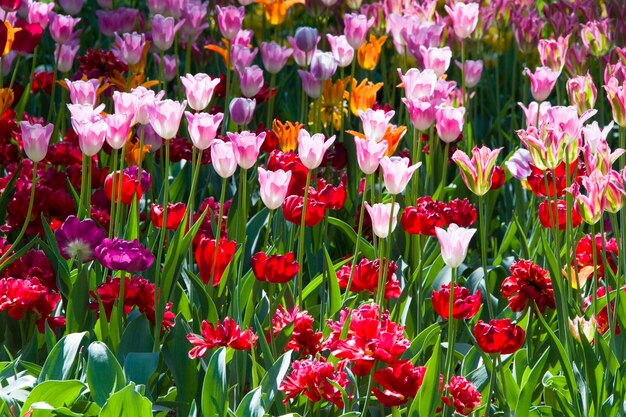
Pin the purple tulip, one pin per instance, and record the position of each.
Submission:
(79, 239)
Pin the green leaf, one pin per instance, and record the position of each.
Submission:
(140, 366)
(335, 292)
(252, 404)
(104, 373)
(427, 396)
(60, 362)
(522, 409)
(214, 389)
(77, 311)
(365, 247)
(54, 393)
(274, 377)
(137, 337)
(127, 402)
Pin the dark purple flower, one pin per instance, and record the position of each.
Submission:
(78, 239)
(146, 179)
(124, 255)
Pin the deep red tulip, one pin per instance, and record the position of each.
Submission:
(218, 335)
(209, 263)
(602, 319)
(548, 215)
(584, 253)
(400, 382)
(129, 186)
(277, 269)
(312, 378)
(10, 5)
(175, 214)
(497, 180)
(463, 395)
(538, 184)
(333, 197)
(465, 305)
(528, 282)
(499, 336)
(42, 81)
(365, 278)
(26, 39)
(460, 212)
(303, 338)
(422, 218)
(292, 210)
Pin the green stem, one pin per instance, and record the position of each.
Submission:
(301, 238)
(268, 230)
(482, 214)
(492, 384)
(218, 232)
(113, 191)
(166, 191)
(358, 240)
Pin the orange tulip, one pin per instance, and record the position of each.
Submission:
(223, 52)
(287, 134)
(362, 96)
(131, 155)
(276, 10)
(7, 36)
(393, 135)
(369, 53)
(6, 99)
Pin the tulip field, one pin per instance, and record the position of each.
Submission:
(304, 208)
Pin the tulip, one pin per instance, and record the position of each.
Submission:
(582, 92)
(273, 187)
(591, 206)
(195, 15)
(91, 135)
(126, 103)
(310, 84)
(165, 117)
(241, 110)
(62, 27)
(341, 50)
(323, 65)
(145, 100)
(242, 56)
(581, 326)
(163, 31)
(614, 195)
(519, 164)
(118, 129)
(368, 54)
(274, 56)
(418, 85)
(472, 73)
(35, 139)
(39, 12)
(421, 113)
(379, 214)
(306, 38)
(83, 92)
(223, 158)
(464, 18)
(375, 123)
(477, 173)
(64, 54)
(397, 173)
(170, 63)
(311, 149)
(230, 19)
(71, 7)
(436, 59)
(130, 46)
(617, 97)
(454, 243)
(250, 79)
(79, 112)
(449, 122)
(596, 36)
(530, 113)
(246, 146)
(356, 28)
(499, 336)
(552, 52)
(369, 153)
(542, 82)
(203, 128)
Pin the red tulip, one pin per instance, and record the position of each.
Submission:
(548, 215)
(463, 395)
(277, 269)
(465, 305)
(303, 338)
(129, 186)
(499, 336)
(312, 378)
(460, 212)
(528, 282)
(400, 382)
(422, 218)
(209, 263)
(175, 214)
(216, 335)
(292, 210)
(365, 278)
(26, 39)
(584, 253)
(497, 180)
(333, 197)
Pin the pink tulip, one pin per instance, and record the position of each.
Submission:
(547, 147)
(596, 36)
(323, 65)
(83, 92)
(80, 112)
(39, 13)
(64, 54)
(418, 85)
(464, 18)
(617, 97)
(449, 122)
(91, 135)
(596, 152)
(341, 50)
(375, 123)
(368, 154)
(130, 46)
(223, 158)
(614, 195)
(242, 56)
(145, 100)
(310, 84)
(302, 58)
(170, 63)
(356, 28)
(380, 214)
(250, 80)
(62, 27)
(35, 139)
(230, 19)
(274, 56)
(203, 128)
(199, 90)
(472, 73)
(195, 15)
(246, 146)
(421, 112)
(530, 113)
(542, 82)
(477, 173)
(582, 92)
(273, 187)
(565, 120)
(311, 148)
(126, 103)
(163, 31)
(519, 164)
(591, 206)
(150, 138)
(454, 243)
(552, 52)
(397, 173)
(241, 110)
(71, 7)
(165, 117)
(436, 59)
(118, 129)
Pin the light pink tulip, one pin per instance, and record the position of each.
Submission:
(591, 206)
(62, 27)
(519, 164)
(163, 31)
(250, 80)
(397, 173)
(146, 99)
(375, 123)
(199, 90)
(64, 55)
(464, 18)
(552, 52)
(35, 139)
(356, 28)
(223, 158)
(436, 59)
(421, 112)
(203, 128)
(617, 97)
(582, 92)
(473, 72)
(242, 56)
(542, 82)
(454, 243)
(80, 112)
(311, 148)
(118, 129)
(165, 117)
(368, 154)
(126, 103)
(530, 113)
(130, 46)
(230, 19)
(91, 135)
(418, 85)
(341, 50)
(449, 122)
(274, 56)
(246, 146)
(39, 13)
(273, 187)
(380, 213)
(83, 92)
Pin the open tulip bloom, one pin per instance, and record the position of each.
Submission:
(313, 208)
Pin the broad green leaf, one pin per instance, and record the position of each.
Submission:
(60, 362)
(274, 377)
(77, 311)
(252, 404)
(365, 247)
(427, 398)
(140, 366)
(54, 393)
(214, 389)
(104, 373)
(126, 403)
(522, 409)
(334, 291)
